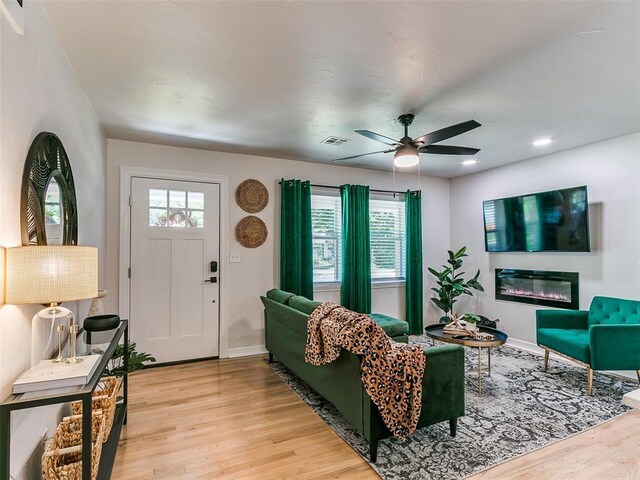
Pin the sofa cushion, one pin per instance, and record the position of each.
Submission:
(607, 310)
(280, 296)
(392, 326)
(574, 343)
(303, 304)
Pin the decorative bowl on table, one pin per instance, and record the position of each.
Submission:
(100, 323)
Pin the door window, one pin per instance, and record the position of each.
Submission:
(176, 208)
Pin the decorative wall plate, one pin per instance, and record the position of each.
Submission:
(252, 196)
(251, 232)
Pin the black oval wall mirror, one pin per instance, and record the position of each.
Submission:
(48, 210)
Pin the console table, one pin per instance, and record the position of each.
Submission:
(95, 343)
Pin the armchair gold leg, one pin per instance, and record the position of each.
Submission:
(638, 374)
(546, 360)
(590, 381)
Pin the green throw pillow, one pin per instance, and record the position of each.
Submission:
(279, 296)
(303, 304)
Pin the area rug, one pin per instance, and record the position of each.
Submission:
(520, 410)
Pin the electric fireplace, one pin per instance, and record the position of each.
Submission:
(538, 287)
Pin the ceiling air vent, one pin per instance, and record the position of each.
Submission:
(335, 141)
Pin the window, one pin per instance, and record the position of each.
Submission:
(326, 221)
(176, 208)
(387, 227)
(387, 230)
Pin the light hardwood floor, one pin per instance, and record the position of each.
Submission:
(235, 419)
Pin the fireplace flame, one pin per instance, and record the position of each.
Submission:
(558, 297)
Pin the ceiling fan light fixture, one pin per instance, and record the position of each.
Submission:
(406, 156)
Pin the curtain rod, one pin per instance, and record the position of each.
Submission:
(391, 192)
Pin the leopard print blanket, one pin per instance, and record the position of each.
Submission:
(390, 371)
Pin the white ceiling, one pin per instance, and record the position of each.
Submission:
(276, 78)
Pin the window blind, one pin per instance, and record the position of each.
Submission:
(387, 226)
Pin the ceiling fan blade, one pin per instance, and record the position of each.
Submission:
(378, 137)
(448, 132)
(362, 155)
(448, 150)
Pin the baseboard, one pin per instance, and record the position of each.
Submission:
(536, 350)
(531, 348)
(246, 351)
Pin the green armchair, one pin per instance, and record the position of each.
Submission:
(607, 337)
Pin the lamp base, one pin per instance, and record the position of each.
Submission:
(51, 313)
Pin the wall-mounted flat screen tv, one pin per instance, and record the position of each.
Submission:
(548, 221)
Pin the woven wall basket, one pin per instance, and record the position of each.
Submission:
(251, 232)
(252, 196)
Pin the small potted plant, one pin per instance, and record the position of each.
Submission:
(451, 284)
(137, 361)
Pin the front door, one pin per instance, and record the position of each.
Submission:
(175, 246)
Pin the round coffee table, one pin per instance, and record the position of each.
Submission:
(499, 338)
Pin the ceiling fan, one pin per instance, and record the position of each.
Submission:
(407, 149)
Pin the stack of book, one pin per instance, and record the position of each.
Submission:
(47, 374)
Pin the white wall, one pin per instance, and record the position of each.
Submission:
(611, 171)
(258, 270)
(39, 91)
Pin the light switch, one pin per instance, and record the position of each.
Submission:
(234, 257)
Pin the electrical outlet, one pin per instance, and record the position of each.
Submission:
(234, 257)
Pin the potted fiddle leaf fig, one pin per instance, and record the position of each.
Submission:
(451, 284)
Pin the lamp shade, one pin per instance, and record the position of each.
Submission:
(406, 156)
(46, 274)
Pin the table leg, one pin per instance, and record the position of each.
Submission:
(489, 349)
(479, 370)
(5, 442)
(125, 400)
(86, 436)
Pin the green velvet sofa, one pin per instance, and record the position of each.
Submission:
(339, 382)
(606, 337)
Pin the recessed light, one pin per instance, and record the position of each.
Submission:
(471, 161)
(541, 142)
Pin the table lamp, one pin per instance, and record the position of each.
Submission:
(51, 275)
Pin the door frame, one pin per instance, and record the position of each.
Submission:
(124, 284)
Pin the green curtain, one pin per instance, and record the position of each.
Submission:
(296, 254)
(413, 286)
(355, 291)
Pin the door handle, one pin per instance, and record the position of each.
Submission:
(211, 280)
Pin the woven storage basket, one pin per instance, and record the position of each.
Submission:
(63, 457)
(104, 398)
